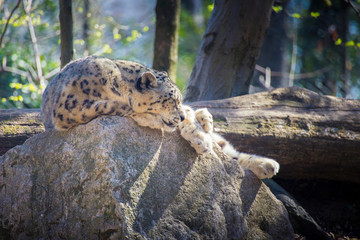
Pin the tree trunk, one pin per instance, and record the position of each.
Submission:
(86, 27)
(229, 49)
(66, 31)
(312, 136)
(166, 36)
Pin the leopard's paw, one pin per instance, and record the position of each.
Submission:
(265, 167)
(201, 145)
(205, 119)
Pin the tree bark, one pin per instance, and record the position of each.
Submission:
(166, 36)
(229, 49)
(312, 136)
(86, 27)
(66, 32)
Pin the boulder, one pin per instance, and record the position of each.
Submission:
(111, 179)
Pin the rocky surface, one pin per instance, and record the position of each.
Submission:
(113, 179)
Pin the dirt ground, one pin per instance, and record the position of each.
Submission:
(335, 206)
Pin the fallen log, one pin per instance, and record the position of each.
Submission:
(17, 125)
(312, 136)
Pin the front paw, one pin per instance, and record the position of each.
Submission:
(201, 146)
(205, 119)
(199, 140)
(267, 168)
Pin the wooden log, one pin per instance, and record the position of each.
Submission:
(312, 136)
(17, 125)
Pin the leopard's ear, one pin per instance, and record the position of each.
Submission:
(146, 80)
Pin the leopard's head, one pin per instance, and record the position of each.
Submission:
(157, 94)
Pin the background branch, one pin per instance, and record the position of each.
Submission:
(5, 68)
(40, 77)
(8, 20)
(353, 7)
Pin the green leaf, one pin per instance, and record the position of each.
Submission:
(296, 15)
(338, 41)
(117, 36)
(79, 42)
(315, 14)
(128, 39)
(32, 88)
(16, 98)
(16, 85)
(350, 43)
(277, 8)
(107, 48)
(145, 29)
(210, 7)
(135, 34)
(98, 34)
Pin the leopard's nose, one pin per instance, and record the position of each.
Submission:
(182, 117)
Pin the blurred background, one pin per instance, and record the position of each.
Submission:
(313, 44)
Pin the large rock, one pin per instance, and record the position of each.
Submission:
(113, 179)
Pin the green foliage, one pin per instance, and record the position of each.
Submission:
(106, 36)
(19, 80)
(133, 39)
(133, 36)
(20, 85)
(23, 95)
(190, 36)
(323, 44)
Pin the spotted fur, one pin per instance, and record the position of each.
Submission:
(96, 86)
